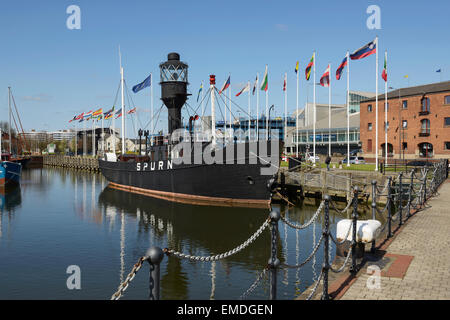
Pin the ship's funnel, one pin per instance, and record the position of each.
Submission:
(174, 81)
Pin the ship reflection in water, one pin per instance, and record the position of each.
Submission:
(61, 217)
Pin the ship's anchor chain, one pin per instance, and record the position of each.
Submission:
(124, 285)
(222, 255)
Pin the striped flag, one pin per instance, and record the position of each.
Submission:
(119, 113)
(284, 82)
(199, 91)
(255, 85)
(340, 69)
(97, 112)
(132, 111)
(325, 79)
(309, 67)
(265, 82)
(225, 85)
(296, 67)
(384, 74)
(365, 51)
(245, 89)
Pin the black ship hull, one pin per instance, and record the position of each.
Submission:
(209, 184)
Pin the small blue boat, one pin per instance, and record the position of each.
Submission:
(10, 173)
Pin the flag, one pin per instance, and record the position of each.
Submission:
(255, 85)
(74, 118)
(245, 89)
(325, 79)
(146, 83)
(296, 67)
(406, 77)
(80, 116)
(88, 114)
(265, 82)
(341, 68)
(119, 113)
(97, 112)
(132, 111)
(108, 116)
(225, 85)
(109, 111)
(308, 68)
(365, 51)
(384, 74)
(439, 71)
(284, 83)
(199, 91)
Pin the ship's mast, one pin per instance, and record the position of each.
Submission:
(9, 126)
(123, 103)
(212, 82)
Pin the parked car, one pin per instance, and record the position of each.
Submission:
(355, 160)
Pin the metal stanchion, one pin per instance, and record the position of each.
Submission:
(355, 220)
(274, 262)
(400, 199)
(374, 208)
(155, 256)
(326, 248)
(389, 204)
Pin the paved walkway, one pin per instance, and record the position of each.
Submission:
(420, 258)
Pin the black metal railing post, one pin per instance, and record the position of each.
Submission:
(389, 204)
(155, 256)
(326, 248)
(354, 225)
(400, 199)
(374, 208)
(274, 262)
(411, 185)
(424, 199)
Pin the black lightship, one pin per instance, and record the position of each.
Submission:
(240, 175)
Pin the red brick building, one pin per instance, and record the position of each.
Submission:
(418, 122)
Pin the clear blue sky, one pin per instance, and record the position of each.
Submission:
(56, 73)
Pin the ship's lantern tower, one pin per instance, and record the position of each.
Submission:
(174, 81)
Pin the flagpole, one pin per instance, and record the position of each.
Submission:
(385, 115)
(103, 133)
(203, 109)
(267, 106)
(152, 110)
(376, 105)
(296, 121)
(285, 109)
(314, 111)
(76, 139)
(93, 137)
(329, 110)
(229, 103)
(213, 114)
(249, 112)
(257, 106)
(123, 112)
(348, 109)
(225, 116)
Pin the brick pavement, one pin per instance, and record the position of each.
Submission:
(421, 258)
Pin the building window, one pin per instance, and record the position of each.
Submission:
(425, 126)
(425, 105)
(447, 122)
(405, 104)
(369, 126)
(404, 124)
(447, 145)
(369, 108)
(405, 146)
(447, 100)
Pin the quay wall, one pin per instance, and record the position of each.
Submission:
(78, 162)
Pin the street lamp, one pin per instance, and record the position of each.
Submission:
(270, 123)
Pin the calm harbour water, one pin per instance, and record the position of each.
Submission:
(60, 217)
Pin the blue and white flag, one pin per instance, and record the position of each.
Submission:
(144, 84)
